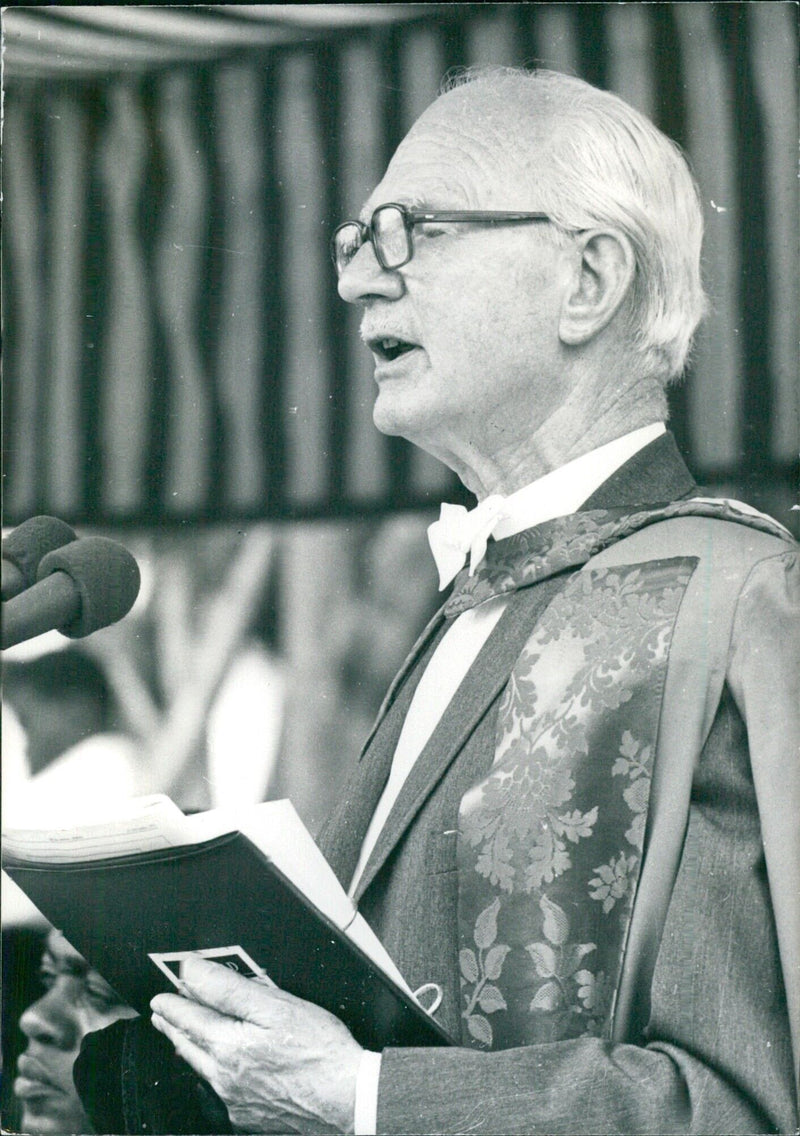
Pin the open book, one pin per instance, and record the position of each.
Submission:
(139, 889)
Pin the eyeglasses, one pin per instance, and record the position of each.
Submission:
(391, 227)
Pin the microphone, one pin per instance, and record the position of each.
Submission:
(25, 547)
(82, 586)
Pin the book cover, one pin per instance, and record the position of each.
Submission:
(133, 915)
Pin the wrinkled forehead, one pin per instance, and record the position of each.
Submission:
(461, 154)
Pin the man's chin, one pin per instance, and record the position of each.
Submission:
(397, 417)
(387, 423)
(44, 1116)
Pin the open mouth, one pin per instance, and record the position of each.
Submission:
(389, 348)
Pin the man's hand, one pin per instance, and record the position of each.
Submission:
(279, 1063)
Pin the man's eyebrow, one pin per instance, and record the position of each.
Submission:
(414, 203)
(74, 966)
(417, 202)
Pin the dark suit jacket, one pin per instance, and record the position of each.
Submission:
(701, 1041)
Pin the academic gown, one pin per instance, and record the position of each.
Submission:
(577, 859)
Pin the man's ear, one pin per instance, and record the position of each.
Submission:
(603, 274)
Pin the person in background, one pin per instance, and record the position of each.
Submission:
(62, 743)
(75, 1001)
(62, 749)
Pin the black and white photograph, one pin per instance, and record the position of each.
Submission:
(400, 570)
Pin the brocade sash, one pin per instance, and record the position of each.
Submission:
(551, 842)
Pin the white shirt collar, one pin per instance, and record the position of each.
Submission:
(563, 491)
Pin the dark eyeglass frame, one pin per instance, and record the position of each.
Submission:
(412, 217)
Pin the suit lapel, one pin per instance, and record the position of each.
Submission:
(342, 836)
(434, 627)
(480, 687)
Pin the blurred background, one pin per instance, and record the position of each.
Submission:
(180, 374)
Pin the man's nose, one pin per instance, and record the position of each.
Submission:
(50, 1020)
(364, 279)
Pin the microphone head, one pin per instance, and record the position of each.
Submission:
(32, 540)
(105, 575)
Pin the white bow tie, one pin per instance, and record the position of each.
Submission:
(459, 532)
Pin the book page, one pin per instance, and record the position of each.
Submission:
(144, 824)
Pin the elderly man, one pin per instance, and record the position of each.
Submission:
(573, 813)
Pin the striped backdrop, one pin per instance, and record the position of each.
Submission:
(174, 348)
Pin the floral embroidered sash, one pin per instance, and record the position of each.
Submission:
(550, 842)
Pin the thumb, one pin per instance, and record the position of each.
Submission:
(218, 987)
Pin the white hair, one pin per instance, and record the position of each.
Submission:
(594, 161)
